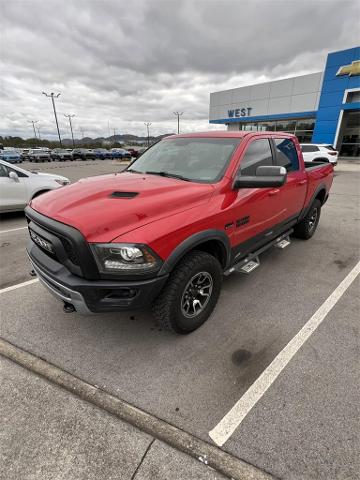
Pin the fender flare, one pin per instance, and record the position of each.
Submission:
(305, 210)
(191, 242)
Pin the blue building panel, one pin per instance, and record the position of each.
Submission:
(332, 94)
(326, 127)
(331, 99)
(327, 113)
(343, 56)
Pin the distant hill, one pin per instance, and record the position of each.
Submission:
(86, 142)
(124, 139)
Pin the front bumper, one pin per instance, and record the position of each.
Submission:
(92, 296)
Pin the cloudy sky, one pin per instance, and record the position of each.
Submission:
(122, 63)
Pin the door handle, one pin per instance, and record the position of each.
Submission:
(302, 182)
(274, 192)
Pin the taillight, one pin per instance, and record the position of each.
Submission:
(332, 153)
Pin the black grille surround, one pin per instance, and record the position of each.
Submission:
(70, 251)
(70, 247)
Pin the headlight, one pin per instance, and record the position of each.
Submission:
(125, 258)
(62, 181)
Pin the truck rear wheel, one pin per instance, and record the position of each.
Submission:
(306, 228)
(190, 294)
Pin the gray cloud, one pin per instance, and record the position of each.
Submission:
(130, 62)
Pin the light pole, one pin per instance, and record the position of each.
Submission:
(33, 124)
(38, 130)
(69, 116)
(52, 96)
(178, 114)
(147, 124)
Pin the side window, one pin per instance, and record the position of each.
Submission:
(18, 173)
(3, 171)
(286, 154)
(258, 153)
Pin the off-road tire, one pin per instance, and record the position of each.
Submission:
(167, 306)
(306, 229)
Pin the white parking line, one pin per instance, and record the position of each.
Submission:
(19, 285)
(226, 427)
(12, 230)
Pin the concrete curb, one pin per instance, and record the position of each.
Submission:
(173, 436)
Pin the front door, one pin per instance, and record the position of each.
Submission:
(12, 193)
(255, 211)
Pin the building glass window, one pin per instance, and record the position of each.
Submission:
(307, 124)
(304, 136)
(303, 128)
(286, 126)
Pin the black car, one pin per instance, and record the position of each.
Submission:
(61, 155)
(83, 154)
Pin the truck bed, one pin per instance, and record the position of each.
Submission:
(312, 165)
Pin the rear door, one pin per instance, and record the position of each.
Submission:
(294, 191)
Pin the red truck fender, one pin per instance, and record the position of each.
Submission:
(210, 239)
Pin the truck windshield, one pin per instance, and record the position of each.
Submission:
(195, 159)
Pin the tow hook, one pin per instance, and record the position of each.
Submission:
(68, 308)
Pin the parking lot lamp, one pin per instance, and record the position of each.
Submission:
(52, 96)
(33, 124)
(147, 124)
(38, 130)
(178, 114)
(69, 116)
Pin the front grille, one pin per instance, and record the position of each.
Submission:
(70, 247)
(70, 252)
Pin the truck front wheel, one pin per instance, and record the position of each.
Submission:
(306, 228)
(190, 294)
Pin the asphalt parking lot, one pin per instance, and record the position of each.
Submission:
(304, 426)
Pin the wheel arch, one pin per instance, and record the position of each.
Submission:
(319, 194)
(214, 242)
(40, 192)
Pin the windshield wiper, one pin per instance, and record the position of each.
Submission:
(170, 175)
(132, 171)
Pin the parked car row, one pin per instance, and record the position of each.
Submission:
(63, 154)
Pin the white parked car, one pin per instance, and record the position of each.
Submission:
(39, 155)
(314, 152)
(19, 186)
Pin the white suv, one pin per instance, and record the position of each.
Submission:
(18, 186)
(319, 152)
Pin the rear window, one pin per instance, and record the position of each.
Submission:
(309, 148)
(286, 154)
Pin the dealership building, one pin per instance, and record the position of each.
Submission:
(321, 107)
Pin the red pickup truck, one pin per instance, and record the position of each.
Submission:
(164, 231)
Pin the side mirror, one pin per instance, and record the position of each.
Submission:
(266, 177)
(14, 176)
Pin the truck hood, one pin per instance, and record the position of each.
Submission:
(108, 206)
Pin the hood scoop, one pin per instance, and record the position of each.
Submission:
(123, 194)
